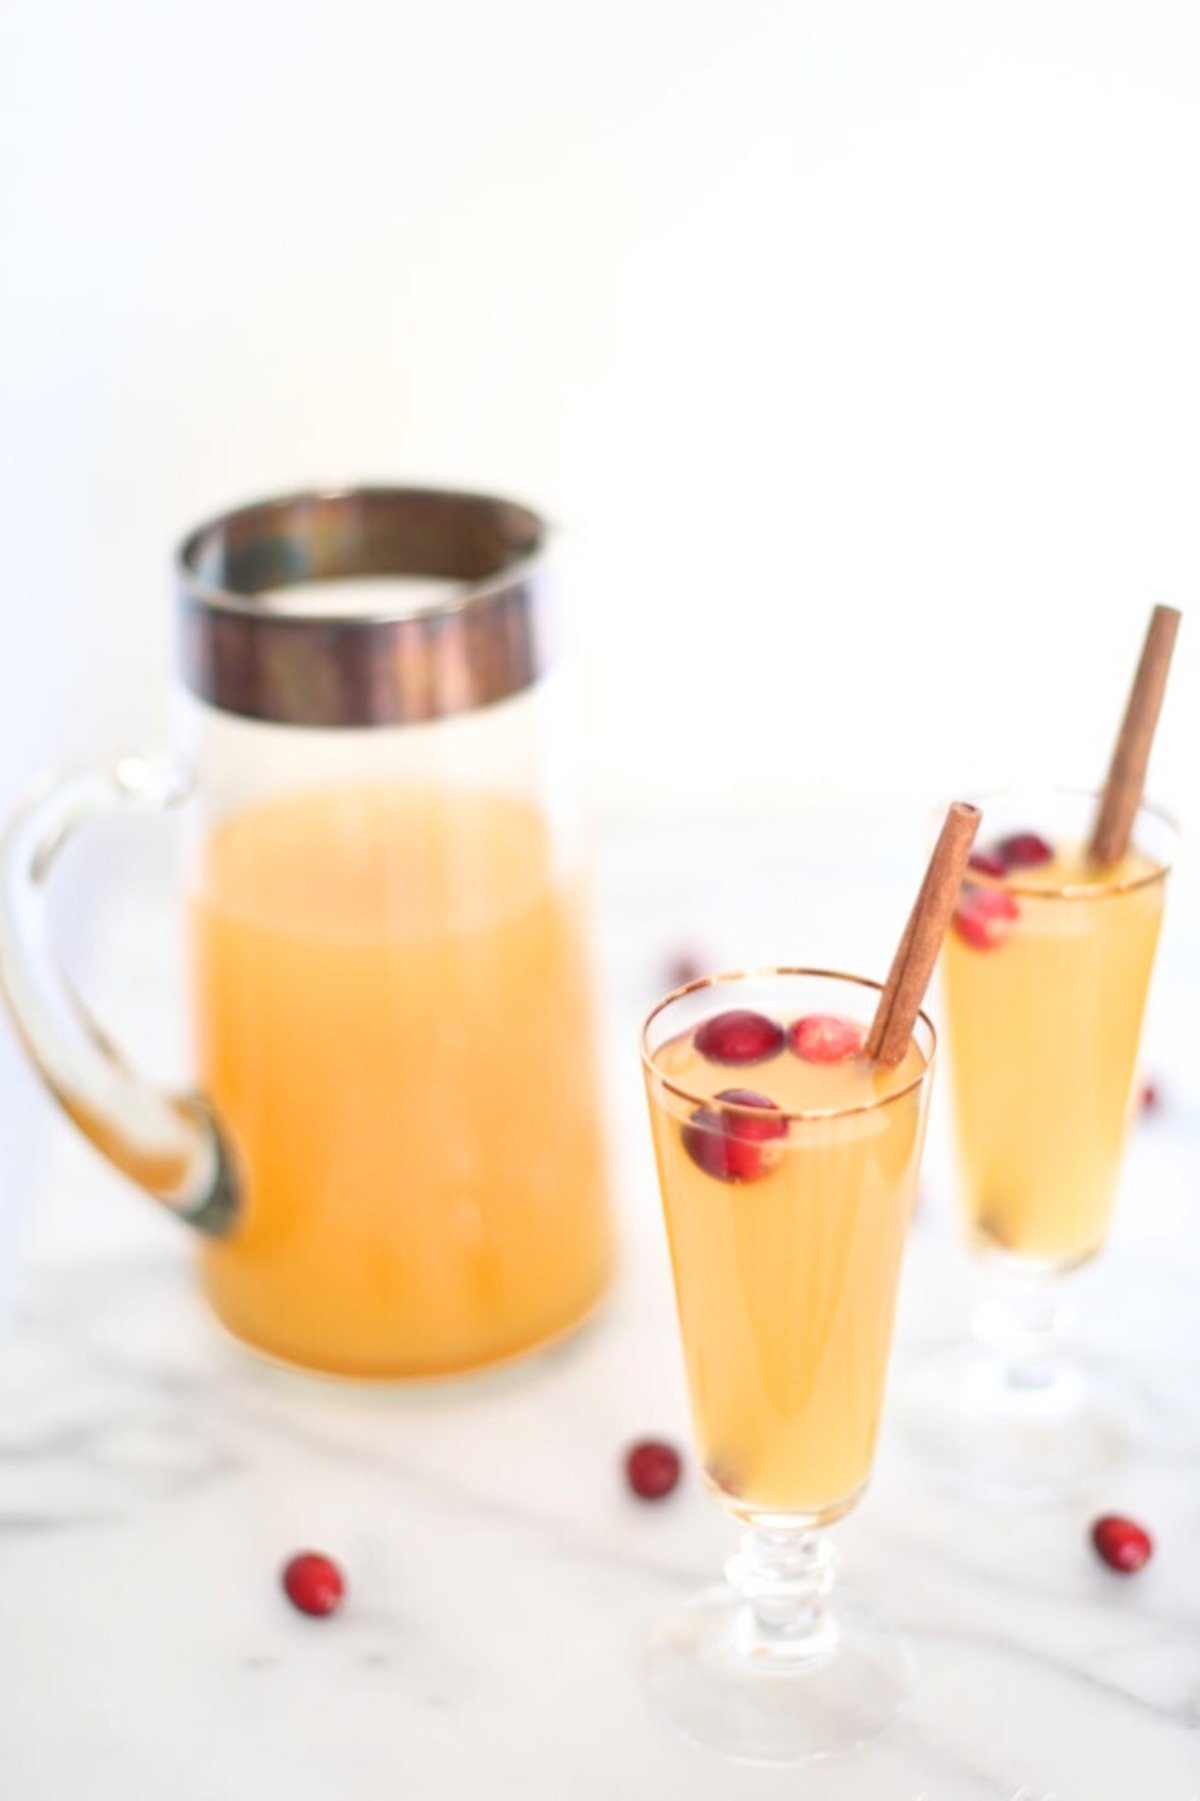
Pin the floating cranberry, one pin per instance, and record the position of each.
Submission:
(826, 1038)
(652, 1468)
(987, 862)
(739, 1037)
(735, 1146)
(313, 1583)
(1123, 1544)
(983, 916)
(1024, 850)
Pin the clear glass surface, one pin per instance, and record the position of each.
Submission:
(787, 1188)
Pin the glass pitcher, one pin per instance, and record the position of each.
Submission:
(395, 1161)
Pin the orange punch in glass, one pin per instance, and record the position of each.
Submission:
(1047, 970)
(788, 1184)
(788, 1113)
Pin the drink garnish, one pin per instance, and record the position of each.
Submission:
(1122, 795)
(739, 1036)
(734, 1142)
(825, 1038)
(1024, 850)
(900, 1001)
(983, 916)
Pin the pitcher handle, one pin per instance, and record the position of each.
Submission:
(168, 1143)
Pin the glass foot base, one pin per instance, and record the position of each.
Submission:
(718, 1680)
(1034, 1437)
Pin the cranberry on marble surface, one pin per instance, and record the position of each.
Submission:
(652, 1468)
(313, 1583)
(682, 968)
(1124, 1545)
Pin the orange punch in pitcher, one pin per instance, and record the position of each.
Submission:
(382, 976)
(394, 1158)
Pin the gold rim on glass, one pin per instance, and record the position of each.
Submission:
(1076, 891)
(751, 975)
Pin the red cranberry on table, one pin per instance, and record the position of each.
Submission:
(652, 1468)
(825, 1038)
(987, 862)
(1150, 1098)
(1124, 1545)
(983, 916)
(739, 1036)
(735, 1146)
(682, 969)
(313, 1583)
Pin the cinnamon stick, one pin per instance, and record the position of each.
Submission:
(917, 952)
(1126, 778)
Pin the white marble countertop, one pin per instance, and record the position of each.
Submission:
(153, 1479)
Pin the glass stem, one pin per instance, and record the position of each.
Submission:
(1023, 1322)
(784, 1578)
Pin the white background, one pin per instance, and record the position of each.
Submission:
(854, 345)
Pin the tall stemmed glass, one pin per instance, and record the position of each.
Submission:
(788, 1168)
(1046, 974)
(1046, 979)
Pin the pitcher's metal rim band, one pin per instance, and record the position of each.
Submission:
(244, 656)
